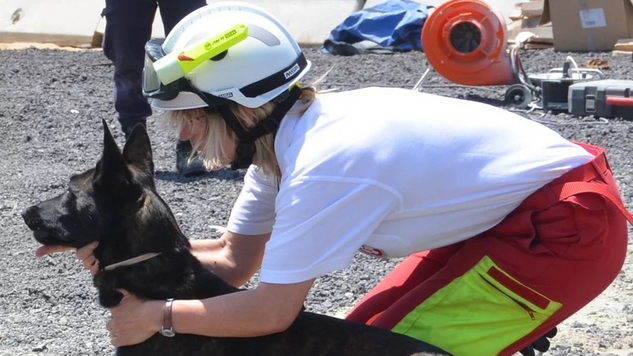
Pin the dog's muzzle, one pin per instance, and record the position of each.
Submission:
(32, 218)
(44, 232)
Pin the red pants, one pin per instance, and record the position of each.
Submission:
(558, 250)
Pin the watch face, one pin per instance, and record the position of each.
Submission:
(168, 332)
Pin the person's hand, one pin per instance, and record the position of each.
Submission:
(134, 320)
(84, 254)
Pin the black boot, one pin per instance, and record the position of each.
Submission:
(188, 162)
(542, 344)
(128, 125)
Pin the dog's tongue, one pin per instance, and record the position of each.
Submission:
(45, 250)
(41, 251)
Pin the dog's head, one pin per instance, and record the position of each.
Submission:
(115, 202)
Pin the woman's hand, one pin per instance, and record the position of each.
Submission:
(134, 320)
(84, 254)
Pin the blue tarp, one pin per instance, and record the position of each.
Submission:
(395, 24)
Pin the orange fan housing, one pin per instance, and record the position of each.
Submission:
(465, 42)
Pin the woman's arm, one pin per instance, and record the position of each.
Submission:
(268, 309)
(233, 257)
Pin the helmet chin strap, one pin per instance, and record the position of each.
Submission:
(246, 149)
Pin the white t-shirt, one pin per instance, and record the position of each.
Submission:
(392, 172)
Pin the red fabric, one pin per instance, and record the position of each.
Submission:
(569, 251)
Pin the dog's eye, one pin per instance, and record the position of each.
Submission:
(69, 200)
(70, 196)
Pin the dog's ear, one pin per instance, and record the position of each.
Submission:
(111, 170)
(138, 150)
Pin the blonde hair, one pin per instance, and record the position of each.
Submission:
(220, 136)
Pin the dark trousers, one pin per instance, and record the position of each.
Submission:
(128, 28)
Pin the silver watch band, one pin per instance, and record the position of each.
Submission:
(167, 329)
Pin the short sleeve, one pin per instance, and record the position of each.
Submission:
(320, 226)
(254, 210)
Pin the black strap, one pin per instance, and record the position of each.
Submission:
(276, 80)
(232, 121)
(245, 150)
(272, 122)
(244, 154)
(222, 105)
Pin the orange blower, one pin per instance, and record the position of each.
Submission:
(465, 42)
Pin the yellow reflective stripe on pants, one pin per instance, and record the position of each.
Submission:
(477, 314)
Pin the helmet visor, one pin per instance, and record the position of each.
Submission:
(152, 86)
(150, 78)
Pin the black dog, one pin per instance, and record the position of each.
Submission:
(117, 204)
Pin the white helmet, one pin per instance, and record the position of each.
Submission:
(252, 72)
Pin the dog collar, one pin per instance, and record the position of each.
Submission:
(131, 261)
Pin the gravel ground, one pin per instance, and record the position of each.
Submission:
(51, 120)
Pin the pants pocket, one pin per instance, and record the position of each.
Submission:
(479, 313)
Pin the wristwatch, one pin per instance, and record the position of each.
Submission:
(167, 329)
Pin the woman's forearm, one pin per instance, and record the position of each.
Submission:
(233, 257)
(216, 317)
(210, 252)
(243, 314)
(213, 255)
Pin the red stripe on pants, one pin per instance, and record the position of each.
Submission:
(569, 251)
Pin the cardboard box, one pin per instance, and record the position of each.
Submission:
(589, 25)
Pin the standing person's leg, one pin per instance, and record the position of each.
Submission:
(128, 28)
(171, 12)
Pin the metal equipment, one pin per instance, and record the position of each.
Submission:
(548, 91)
(465, 42)
(602, 98)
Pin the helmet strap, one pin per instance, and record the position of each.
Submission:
(245, 150)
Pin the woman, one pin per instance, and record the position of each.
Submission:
(500, 216)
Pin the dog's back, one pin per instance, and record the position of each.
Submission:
(117, 204)
(310, 335)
